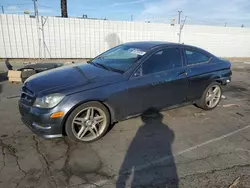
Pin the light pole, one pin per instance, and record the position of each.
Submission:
(179, 20)
(35, 8)
(181, 27)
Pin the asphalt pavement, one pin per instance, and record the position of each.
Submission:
(184, 147)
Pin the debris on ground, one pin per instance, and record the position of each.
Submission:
(223, 96)
(14, 96)
(239, 114)
(4, 135)
(197, 114)
(69, 62)
(204, 119)
(235, 183)
(230, 105)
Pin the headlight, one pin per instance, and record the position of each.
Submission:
(49, 101)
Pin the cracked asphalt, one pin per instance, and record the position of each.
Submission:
(183, 147)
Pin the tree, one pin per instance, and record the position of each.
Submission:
(64, 8)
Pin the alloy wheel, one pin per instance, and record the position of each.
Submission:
(213, 96)
(89, 124)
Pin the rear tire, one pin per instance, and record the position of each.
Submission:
(88, 122)
(210, 97)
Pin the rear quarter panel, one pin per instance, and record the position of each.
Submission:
(201, 75)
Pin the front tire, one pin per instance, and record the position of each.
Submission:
(210, 97)
(88, 122)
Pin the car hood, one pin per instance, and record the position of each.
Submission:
(73, 78)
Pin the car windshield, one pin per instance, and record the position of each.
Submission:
(119, 59)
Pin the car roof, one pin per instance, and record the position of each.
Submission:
(151, 44)
(147, 45)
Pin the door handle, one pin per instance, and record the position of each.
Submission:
(183, 73)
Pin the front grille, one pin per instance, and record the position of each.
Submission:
(25, 89)
(27, 96)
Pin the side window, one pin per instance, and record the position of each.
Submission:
(166, 59)
(194, 57)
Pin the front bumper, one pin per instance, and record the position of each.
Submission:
(39, 121)
(225, 80)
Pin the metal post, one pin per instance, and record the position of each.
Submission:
(42, 28)
(2, 9)
(179, 20)
(4, 43)
(35, 8)
(181, 27)
(179, 41)
(38, 27)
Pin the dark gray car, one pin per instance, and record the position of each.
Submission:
(82, 100)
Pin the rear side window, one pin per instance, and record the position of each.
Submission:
(194, 57)
(162, 60)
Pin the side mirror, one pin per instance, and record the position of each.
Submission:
(138, 72)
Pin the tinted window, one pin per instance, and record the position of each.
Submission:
(194, 57)
(162, 60)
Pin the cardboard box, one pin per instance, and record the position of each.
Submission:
(13, 79)
(20, 76)
(14, 73)
(14, 76)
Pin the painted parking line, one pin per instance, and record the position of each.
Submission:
(242, 149)
(142, 167)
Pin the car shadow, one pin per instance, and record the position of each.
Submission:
(152, 143)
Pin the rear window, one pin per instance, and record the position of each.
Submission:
(194, 57)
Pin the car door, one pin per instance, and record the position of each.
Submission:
(199, 68)
(159, 82)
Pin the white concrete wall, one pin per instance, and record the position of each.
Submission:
(85, 38)
(221, 41)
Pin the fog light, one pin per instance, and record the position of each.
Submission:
(57, 115)
(228, 81)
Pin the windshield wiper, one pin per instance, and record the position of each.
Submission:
(116, 70)
(107, 68)
(100, 65)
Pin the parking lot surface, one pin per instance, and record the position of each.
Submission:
(183, 147)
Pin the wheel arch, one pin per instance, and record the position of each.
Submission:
(220, 78)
